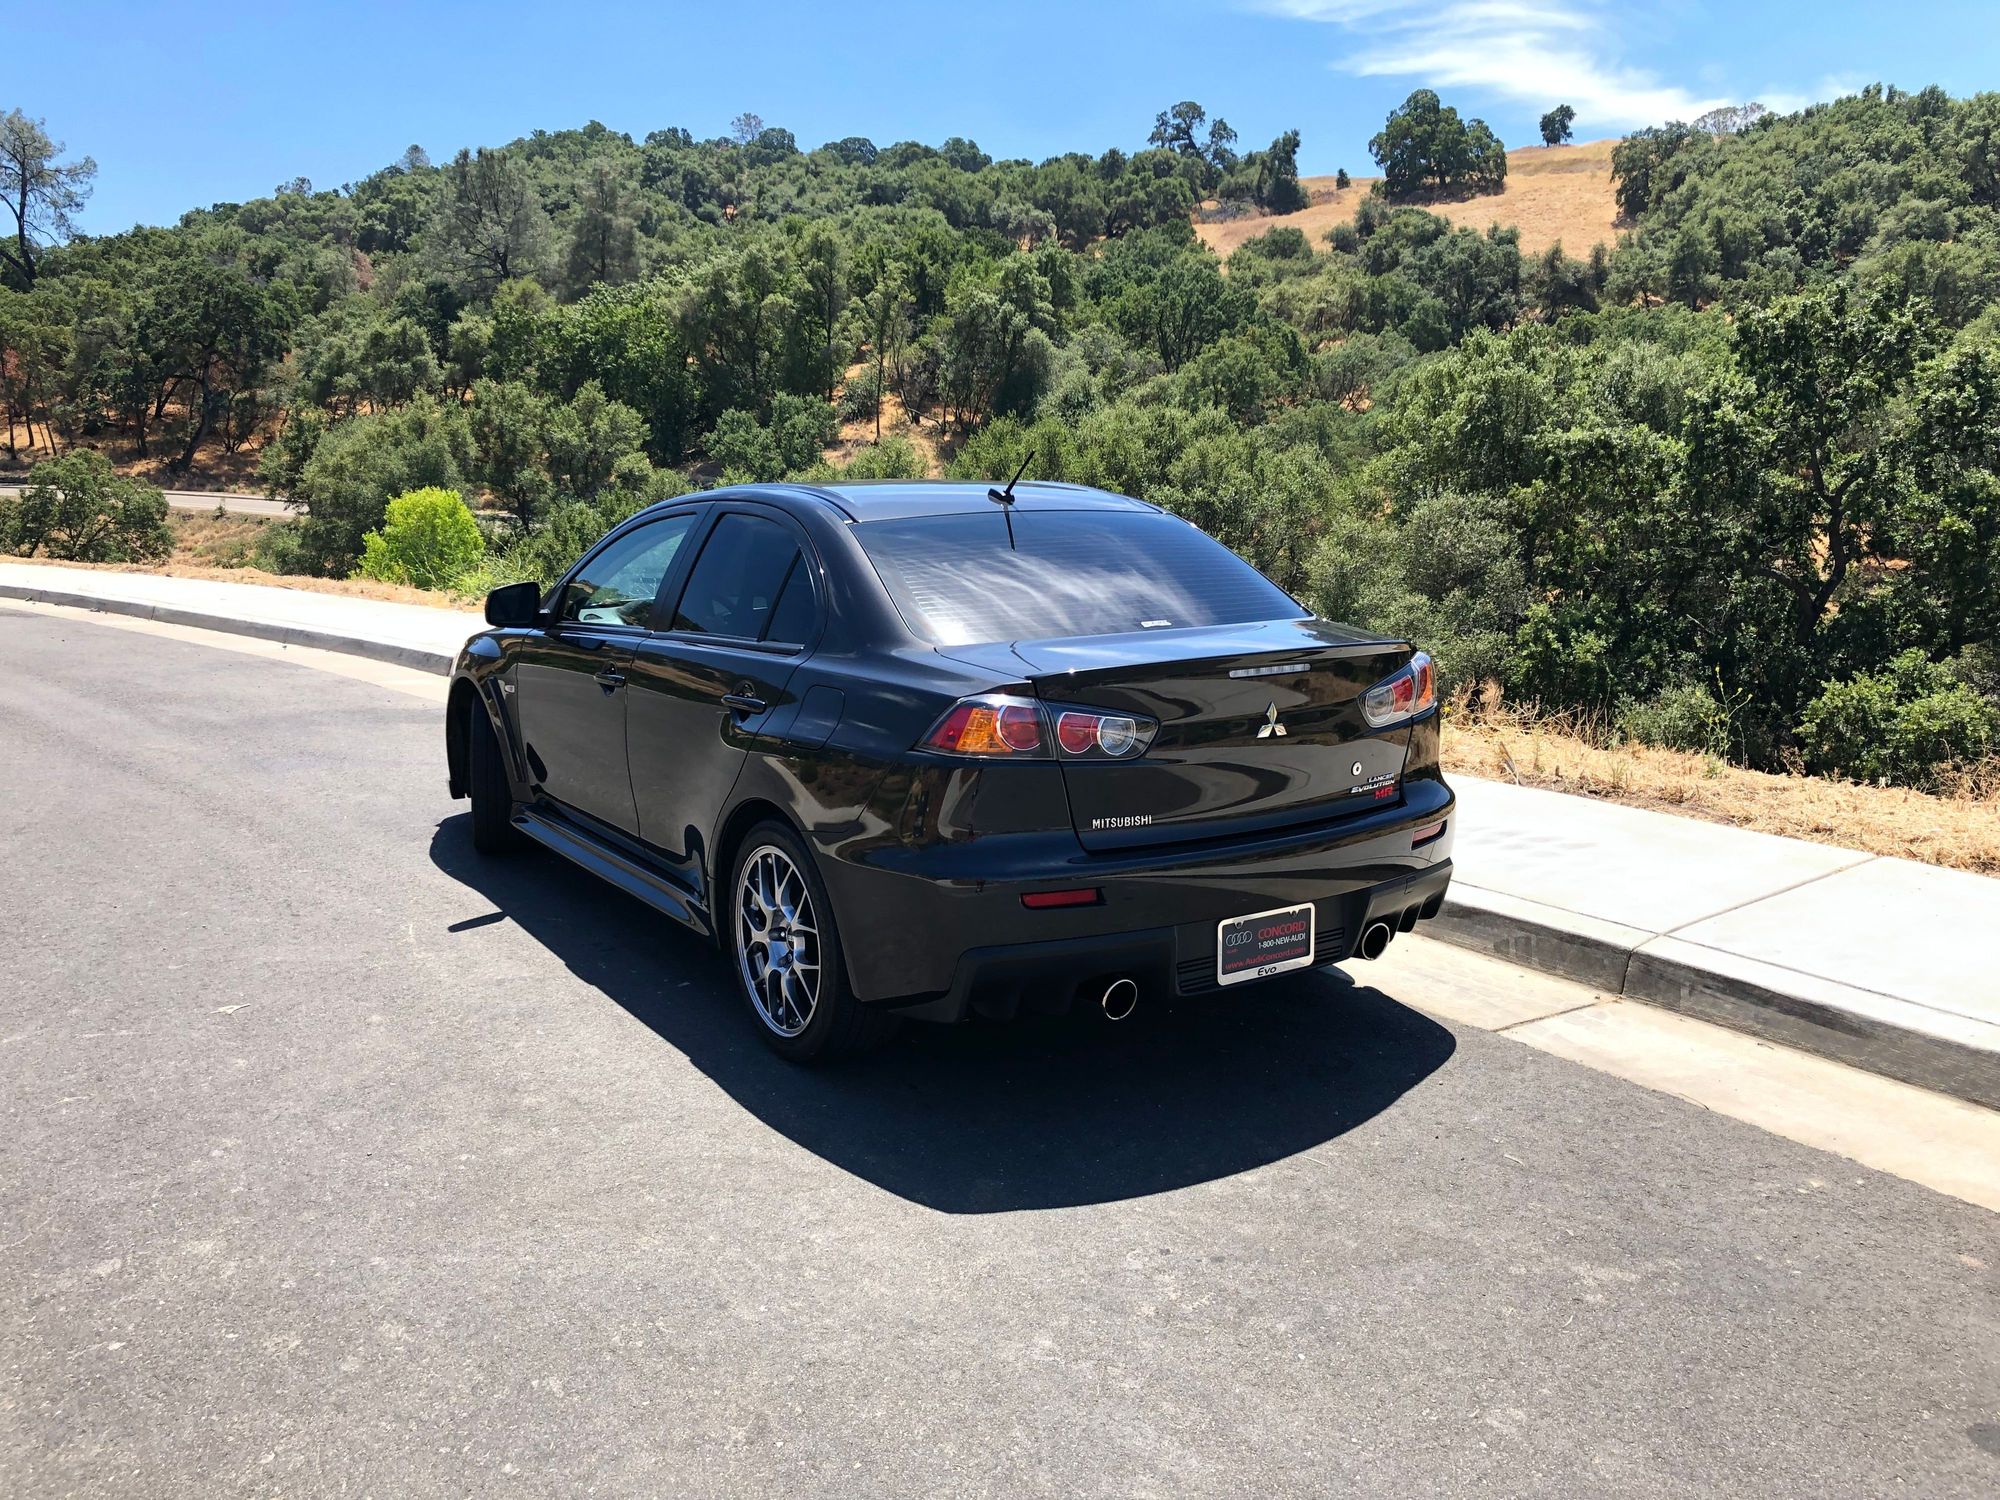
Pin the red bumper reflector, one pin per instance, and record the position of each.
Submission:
(1430, 833)
(1085, 895)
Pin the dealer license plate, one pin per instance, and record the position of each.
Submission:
(1264, 943)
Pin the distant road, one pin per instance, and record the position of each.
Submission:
(235, 505)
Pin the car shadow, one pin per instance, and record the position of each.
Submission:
(1044, 1112)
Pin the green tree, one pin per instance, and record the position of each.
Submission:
(77, 508)
(604, 240)
(344, 485)
(1278, 190)
(489, 226)
(212, 330)
(1179, 130)
(1556, 125)
(1424, 144)
(40, 192)
(822, 258)
(1827, 375)
(794, 439)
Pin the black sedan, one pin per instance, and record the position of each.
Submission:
(925, 749)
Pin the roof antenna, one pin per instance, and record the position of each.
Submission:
(1005, 498)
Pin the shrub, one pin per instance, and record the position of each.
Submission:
(78, 508)
(357, 464)
(428, 539)
(895, 457)
(1906, 724)
(1686, 717)
(857, 398)
(793, 440)
(277, 550)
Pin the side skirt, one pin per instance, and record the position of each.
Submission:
(611, 863)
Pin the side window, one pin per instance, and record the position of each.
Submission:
(793, 616)
(617, 586)
(744, 574)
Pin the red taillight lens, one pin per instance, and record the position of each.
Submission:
(1408, 693)
(1116, 736)
(993, 725)
(1077, 733)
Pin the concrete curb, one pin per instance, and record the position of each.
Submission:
(1895, 1038)
(267, 630)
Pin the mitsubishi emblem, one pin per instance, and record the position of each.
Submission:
(1271, 724)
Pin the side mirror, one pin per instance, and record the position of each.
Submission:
(515, 606)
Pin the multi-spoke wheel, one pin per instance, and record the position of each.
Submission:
(787, 948)
(777, 941)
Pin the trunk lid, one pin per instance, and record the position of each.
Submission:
(1260, 726)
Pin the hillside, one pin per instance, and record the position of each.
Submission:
(1553, 194)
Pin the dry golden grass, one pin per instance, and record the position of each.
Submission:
(930, 442)
(1330, 206)
(205, 539)
(1961, 831)
(212, 468)
(1553, 194)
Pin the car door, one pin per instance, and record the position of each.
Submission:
(570, 683)
(704, 689)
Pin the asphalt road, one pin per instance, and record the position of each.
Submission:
(337, 1161)
(233, 504)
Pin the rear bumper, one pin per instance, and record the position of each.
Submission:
(939, 932)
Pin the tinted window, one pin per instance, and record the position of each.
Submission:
(617, 586)
(792, 618)
(738, 578)
(958, 581)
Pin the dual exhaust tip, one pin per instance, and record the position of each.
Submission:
(1121, 996)
(1374, 940)
(1119, 1000)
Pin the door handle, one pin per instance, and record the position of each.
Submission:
(744, 703)
(610, 679)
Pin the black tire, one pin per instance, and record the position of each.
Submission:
(837, 1025)
(493, 830)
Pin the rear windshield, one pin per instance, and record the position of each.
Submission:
(1067, 573)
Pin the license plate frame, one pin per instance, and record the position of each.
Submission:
(1259, 954)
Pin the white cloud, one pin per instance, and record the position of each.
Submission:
(1534, 52)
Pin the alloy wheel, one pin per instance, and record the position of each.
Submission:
(777, 941)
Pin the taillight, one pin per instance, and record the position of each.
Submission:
(997, 724)
(1408, 693)
(1083, 733)
(992, 725)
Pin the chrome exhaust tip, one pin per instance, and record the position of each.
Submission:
(1120, 999)
(1374, 940)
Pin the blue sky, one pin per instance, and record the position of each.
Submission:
(188, 105)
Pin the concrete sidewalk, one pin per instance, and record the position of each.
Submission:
(1883, 963)
(409, 635)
